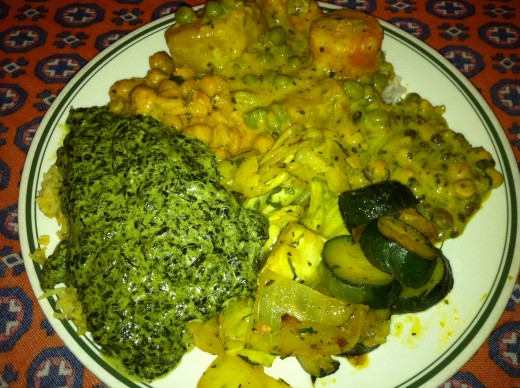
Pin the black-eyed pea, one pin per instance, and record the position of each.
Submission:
(403, 155)
(377, 170)
(457, 171)
(403, 175)
(496, 177)
(464, 188)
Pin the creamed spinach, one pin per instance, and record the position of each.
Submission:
(154, 240)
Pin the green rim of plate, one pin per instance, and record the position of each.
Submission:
(57, 112)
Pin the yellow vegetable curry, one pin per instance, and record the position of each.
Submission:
(303, 93)
(299, 106)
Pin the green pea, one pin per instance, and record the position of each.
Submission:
(380, 81)
(273, 123)
(276, 35)
(255, 118)
(270, 76)
(377, 117)
(353, 89)
(365, 80)
(213, 9)
(230, 4)
(283, 51)
(295, 62)
(244, 97)
(266, 58)
(250, 79)
(369, 94)
(185, 15)
(282, 81)
(279, 111)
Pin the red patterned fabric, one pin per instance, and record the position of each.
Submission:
(39, 39)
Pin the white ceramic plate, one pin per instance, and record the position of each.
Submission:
(424, 348)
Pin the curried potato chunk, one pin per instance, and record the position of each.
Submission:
(209, 43)
(232, 371)
(346, 42)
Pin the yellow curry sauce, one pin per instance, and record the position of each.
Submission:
(239, 80)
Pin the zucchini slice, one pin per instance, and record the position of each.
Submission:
(409, 268)
(374, 296)
(318, 365)
(348, 275)
(407, 236)
(412, 300)
(360, 206)
(359, 349)
(347, 261)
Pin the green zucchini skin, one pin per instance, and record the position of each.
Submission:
(408, 268)
(319, 365)
(347, 261)
(374, 296)
(435, 290)
(359, 349)
(360, 206)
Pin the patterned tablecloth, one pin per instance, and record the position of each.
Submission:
(43, 44)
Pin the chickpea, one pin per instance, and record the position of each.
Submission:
(220, 136)
(124, 87)
(154, 77)
(143, 98)
(169, 105)
(117, 105)
(161, 61)
(169, 89)
(263, 143)
(187, 87)
(211, 84)
(199, 103)
(173, 120)
(202, 132)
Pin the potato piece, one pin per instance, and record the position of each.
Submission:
(206, 335)
(207, 44)
(233, 372)
(346, 42)
(297, 253)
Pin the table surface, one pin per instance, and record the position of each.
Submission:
(43, 44)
